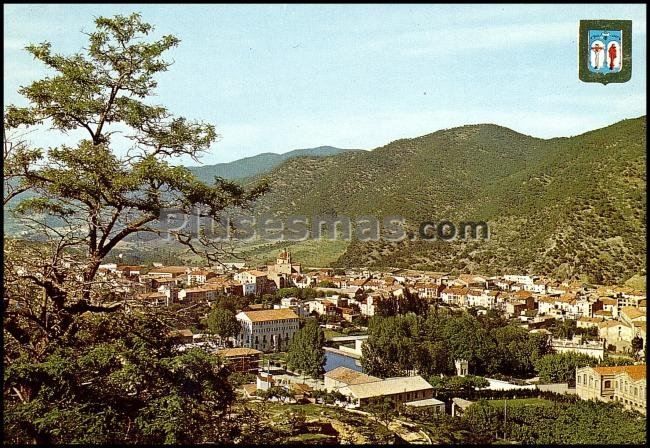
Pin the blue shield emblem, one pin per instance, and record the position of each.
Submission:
(605, 51)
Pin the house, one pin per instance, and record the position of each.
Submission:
(108, 267)
(454, 296)
(587, 307)
(624, 300)
(292, 303)
(343, 377)
(303, 281)
(169, 271)
(252, 277)
(399, 390)
(630, 387)
(369, 304)
(241, 359)
(631, 315)
(602, 314)
(207, 292)
(349, 314)
(154, 299)
(129, 271)
(589, 322)
(623, 384)
(522, 279)
(616, 333)
(475, 297)
(594, 349)
(514, 307)
(471, 281)
(199, 276)
(538, 286)
(525, 297)
(610, 305)
(437, 406)
(503, 285)
(267, 330)
(157, 282)
(427, 290)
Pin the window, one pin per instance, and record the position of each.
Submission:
(579, 379)
(636, 391)
(608, 384)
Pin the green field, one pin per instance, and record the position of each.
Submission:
(329, 334)
(309, 253)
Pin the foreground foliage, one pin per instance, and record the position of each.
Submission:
(117, 380)
(579, 422)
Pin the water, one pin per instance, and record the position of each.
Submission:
(334, 360)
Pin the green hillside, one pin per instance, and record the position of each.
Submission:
(260, 163)
(571, 207)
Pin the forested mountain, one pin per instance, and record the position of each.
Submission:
(260, 163)
(571, 207)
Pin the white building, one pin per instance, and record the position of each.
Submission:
(595, 349)
(248, 289)
(293, 304)
(399, 390)
(267, 330)
(254, 277)
(523, 279)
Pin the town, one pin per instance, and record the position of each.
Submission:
(611, 322)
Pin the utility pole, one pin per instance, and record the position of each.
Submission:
(505, 416)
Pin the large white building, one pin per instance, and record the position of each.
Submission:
(267, 330)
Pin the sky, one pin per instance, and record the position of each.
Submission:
(273, 78)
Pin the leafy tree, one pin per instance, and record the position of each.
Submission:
(232, 303)
(387, 306)
(637, 345)
(469, 340)
(561, 367)
(383, 409)
(484, 418)
(517, 350)
(391, 346)
(278, 392)
(117, 380)
(97, 196)
(223, 322)
(78, 369)
(433, 358)
(306, 350)
(565, 329)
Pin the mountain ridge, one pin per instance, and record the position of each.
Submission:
(566, 206)
(259, 163)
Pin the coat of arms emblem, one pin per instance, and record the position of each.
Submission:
(605, 54)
